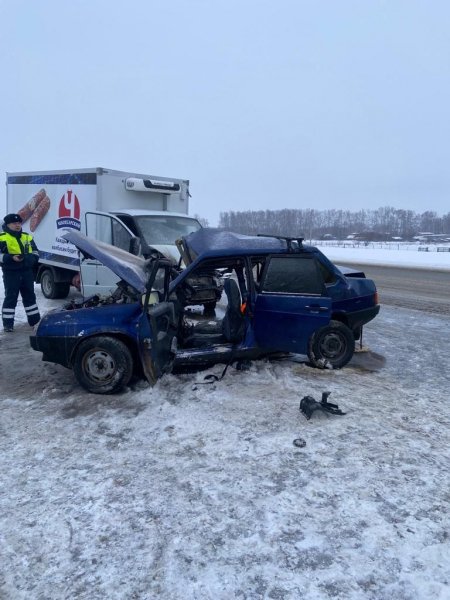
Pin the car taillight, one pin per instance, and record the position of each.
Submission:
(376, 299)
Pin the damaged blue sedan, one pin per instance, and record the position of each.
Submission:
(278, 296)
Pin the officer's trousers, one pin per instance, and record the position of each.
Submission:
(19, 282)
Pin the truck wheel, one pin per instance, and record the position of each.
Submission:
(103, 365)
(52, 289)
(62, 289)
(332, 345)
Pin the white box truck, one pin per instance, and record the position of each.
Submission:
(113, 206)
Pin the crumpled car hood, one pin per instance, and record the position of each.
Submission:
(132, 269)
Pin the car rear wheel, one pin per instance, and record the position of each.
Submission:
(103, 365)
(332, 345)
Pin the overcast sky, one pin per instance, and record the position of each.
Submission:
(260, 104)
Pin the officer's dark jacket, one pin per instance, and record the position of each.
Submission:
(17, 242)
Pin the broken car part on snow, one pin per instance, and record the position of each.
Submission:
(308, 405)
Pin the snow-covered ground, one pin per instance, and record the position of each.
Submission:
(399, 255)
(196, 491)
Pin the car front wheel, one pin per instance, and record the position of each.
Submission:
(103, 365)
(332, 345)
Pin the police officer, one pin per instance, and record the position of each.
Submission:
(18, 257)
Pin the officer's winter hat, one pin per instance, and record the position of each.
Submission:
(12, 218)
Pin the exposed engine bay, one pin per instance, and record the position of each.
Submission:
(123, 294)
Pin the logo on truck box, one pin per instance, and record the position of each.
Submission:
(69, 212)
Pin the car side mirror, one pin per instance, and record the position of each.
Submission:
(135, 246)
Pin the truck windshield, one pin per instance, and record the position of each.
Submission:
(164, 229)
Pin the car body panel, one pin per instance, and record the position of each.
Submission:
(285, 323)
(62, 330)
(156, 333)
(350, 272)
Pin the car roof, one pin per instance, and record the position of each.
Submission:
(212, 242)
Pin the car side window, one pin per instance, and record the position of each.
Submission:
(257, 264)
(129, 222)
(121, 237)
(297, 274)
(328, 276)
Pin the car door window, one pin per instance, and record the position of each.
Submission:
(108, 229)
(329, 277)
(121, 237)
(292, 275)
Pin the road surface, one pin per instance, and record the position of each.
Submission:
(420, 289)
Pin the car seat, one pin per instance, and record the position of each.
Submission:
(233, 324)
(231, 329)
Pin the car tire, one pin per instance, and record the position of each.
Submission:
(103, 365)
(62, 289)
(332, 345)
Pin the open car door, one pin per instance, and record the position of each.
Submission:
(95, 276)
(290, 304)
(157, 325)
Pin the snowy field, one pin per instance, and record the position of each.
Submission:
(191, 491)
(390, 255)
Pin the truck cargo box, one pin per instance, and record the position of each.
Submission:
(51, 202)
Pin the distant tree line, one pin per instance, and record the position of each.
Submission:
(310, 223)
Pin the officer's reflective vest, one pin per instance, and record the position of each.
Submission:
(16, 245)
